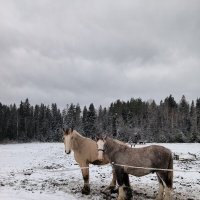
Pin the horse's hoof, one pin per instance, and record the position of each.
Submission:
(112, 189)
(128, 192)
(86, 190)
(125, 193)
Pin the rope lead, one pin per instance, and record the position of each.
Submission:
(112, 164)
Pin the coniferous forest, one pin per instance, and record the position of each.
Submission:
(134, 120)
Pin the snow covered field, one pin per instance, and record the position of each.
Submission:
(28, 172)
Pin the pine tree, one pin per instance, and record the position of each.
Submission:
(193, 123)
(77, 117)
(152, 113)
(1, 122)
(184, 122)
(36, 124)
(170, 118)
(55, 119)
(85, 122)
(114, 125)
(198, 118)
(100, 119)
(71, 116)
(26, 116)
(91, 121)
(12, 123)
(21, 119)
(42, 125)
(6, 123)
(106, 125)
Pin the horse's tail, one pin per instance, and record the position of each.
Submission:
(169, 181)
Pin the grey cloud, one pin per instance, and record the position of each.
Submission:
(98, 51)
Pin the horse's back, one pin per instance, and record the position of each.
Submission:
(150, 156)
(152, 150)
(153, 156)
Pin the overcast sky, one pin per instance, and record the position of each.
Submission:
(75, 51)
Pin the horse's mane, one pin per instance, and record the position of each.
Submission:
(119, 142)
(118, 145)
(77, 134)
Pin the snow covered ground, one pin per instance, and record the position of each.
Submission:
(34, 171)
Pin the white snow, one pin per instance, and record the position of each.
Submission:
(9, 194)
(34, 171)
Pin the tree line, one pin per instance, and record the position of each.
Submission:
(132, 120)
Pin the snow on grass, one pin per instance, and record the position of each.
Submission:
(34, 171)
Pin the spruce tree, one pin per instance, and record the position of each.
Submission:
(193, 123)
(198, 118)
(91, 121)
(85, 122)
(77, 118)
(184, 118)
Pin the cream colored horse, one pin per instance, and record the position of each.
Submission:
(85, 153)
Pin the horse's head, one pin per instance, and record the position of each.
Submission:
(67, 134)
(101, 147)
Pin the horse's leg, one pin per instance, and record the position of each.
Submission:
(85, 173)
(161, 187)
(169, 180)
(167, 194)
(113, 182)
(127, 189)
(165, 189)
(120, 180)
(114, 179)
(169, 184)
(126, 180)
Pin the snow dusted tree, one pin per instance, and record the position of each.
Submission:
(25, 120)
(184, 117)
(78, 123)
(113, 119)
(100, 120)
(36, 125)
(91, 121)
(152, 127)
(198, 118)
(12, 123)
(171, 107)
(70, 119)
(64, 116)
(168, 114)
(85, 122)
(193, 123)
(167, 122)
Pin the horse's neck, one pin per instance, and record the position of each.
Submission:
(77, 141)
(111, 147)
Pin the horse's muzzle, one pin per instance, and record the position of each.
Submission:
(100, 159)
(101, 150)
(68, 152)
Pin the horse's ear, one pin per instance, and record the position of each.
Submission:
(97, 138)
(63, 130)
(72, 129)
(105, 137)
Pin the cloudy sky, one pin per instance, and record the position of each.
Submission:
(75, 51)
